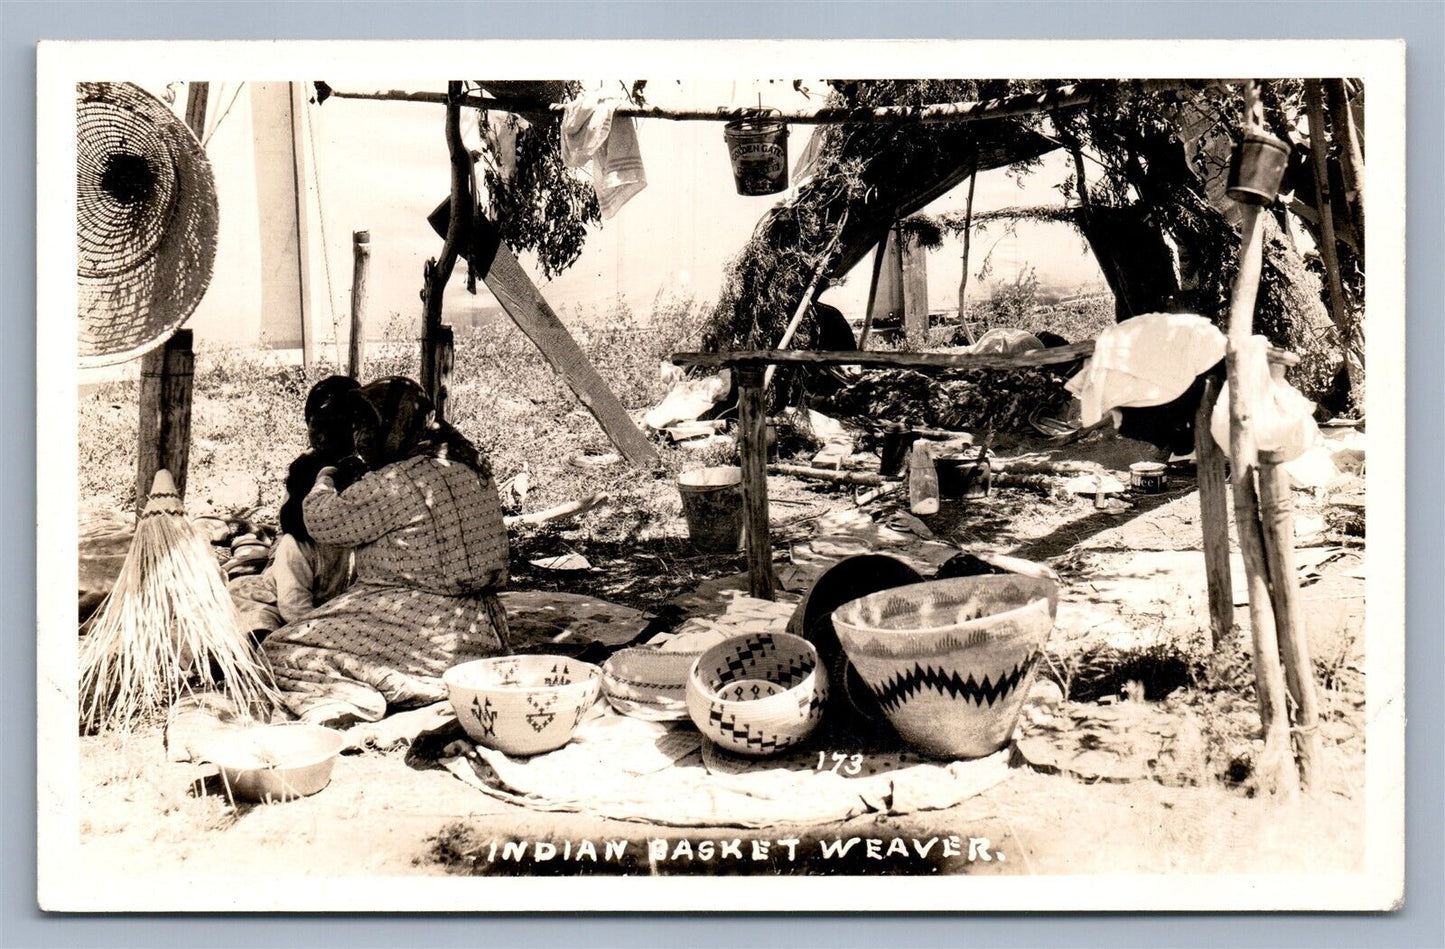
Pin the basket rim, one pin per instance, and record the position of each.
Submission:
(809, 681)
(965, 626)
(594, 674)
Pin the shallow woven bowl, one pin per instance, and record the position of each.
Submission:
(649, 683)
(522, 705)
(781, 670)
(951, 661)
(273, 763)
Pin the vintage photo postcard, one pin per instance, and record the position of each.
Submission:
(726, 476)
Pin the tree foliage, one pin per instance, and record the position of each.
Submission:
(544, 207)
(863, 170)
(1160, 160)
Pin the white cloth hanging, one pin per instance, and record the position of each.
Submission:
(1147, 360)
(1284, 420)
(594, 137)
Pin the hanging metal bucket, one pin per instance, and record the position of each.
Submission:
(758, 147)
(1257, 168)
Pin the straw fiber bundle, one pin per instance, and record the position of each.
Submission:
(146, 221)
(167, 628)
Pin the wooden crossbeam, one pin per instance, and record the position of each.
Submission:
(1033, 103)
(867, 358)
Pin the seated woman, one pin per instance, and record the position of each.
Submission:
(304, 574)
(431, 554)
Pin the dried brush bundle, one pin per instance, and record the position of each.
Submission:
(167, 627)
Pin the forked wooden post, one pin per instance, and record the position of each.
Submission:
(1214, 518)
(1277, 515)
(356, 342)
(752, 446)
(1275, 767)
(436, 342)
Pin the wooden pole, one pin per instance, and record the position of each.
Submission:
(165, 422)
(1350, 332)
(752, 446)
(436, 344)
(914, 273)
(1274, 767)
(1352, 162)
(873, 292)
(1277, 514)
(443, 351)
(1031, 103)
(967, 243)
(1033, 359)
(525, 304)
(163, 431)
(570, 509)
(1214, 518)
(196, 95)
(356, 342)
(824, 474)
(303, 241)
(806, 303)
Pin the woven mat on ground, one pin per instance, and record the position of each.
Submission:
(537, 616)
(731, 613)
(664, 773)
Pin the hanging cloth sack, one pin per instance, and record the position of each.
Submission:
(1284, 420)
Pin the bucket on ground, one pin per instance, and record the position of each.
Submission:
(758, 147)
(712, 503)
(964, 477)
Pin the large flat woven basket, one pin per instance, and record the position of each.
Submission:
(146, 222)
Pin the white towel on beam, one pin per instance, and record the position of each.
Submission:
(594, 136)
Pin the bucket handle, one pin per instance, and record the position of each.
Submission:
(757, 116)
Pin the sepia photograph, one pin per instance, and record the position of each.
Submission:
(724, 475)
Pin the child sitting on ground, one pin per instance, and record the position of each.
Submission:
(303, 574)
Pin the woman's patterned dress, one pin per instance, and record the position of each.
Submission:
(431, 552)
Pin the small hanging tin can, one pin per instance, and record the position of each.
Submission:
(1257, 169)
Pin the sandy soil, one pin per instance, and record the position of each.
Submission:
(1134, 582)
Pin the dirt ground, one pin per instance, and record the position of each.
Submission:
(1132, 628)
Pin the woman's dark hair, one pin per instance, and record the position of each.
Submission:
(401, 425)
(328, 389)
(329, 429)
(328, 417)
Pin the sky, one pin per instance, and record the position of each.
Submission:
(382, 166)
